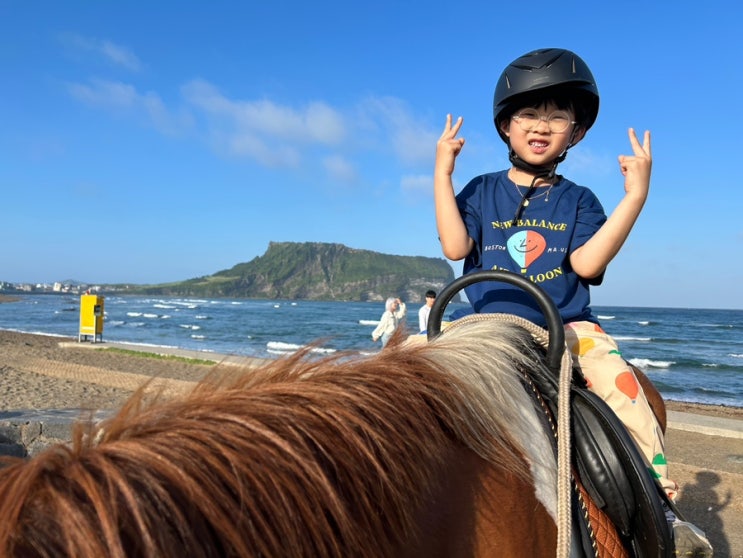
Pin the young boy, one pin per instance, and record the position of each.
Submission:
(532, 221)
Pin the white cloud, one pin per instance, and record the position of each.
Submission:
(105, 93)
(340, 169)
(251, 146)
(270, 133)
(108, 50)
(278, 135)
(120, 96)
(315, 123)
(119, 55)
(413, 141)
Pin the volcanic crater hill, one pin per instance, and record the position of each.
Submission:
(316, 271)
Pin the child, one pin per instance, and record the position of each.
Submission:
(532, 221)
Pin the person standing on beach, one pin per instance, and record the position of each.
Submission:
(425, 311)
(531, 221)
(394, 311)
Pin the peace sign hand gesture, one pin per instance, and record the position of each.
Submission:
(448, 147)
(636, 168)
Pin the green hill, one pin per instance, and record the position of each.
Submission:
(317, 271)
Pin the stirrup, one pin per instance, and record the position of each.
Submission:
(688, 539)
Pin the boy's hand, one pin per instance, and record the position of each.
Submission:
(448, 146)
(636, 168)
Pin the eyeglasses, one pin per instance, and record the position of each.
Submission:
(558, 121)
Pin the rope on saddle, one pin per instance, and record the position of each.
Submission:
(564, 476)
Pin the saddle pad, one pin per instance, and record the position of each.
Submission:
(616, 476)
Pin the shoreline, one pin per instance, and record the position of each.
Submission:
(65, 348)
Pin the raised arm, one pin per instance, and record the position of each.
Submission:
(455, 243)
(591, 259)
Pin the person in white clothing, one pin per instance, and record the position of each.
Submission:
(425, 311)
(394, 312)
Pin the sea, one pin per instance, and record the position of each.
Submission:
(692, 355)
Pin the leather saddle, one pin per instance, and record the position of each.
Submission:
(612, 470)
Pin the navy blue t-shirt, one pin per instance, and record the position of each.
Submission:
(538, 246)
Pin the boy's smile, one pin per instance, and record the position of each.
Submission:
(531, 136)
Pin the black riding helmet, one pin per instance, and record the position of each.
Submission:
(531, 75)
(541, 74)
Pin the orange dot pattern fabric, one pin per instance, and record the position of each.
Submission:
(609, 376)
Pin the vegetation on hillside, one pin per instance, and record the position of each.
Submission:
(317, 271)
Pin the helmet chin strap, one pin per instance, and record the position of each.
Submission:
(539, 171)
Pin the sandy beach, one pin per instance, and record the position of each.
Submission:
(40, 372)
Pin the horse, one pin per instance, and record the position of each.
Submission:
(432, 449)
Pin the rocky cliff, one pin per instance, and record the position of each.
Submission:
(318, 271)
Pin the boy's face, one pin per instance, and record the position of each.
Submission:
(532, 137)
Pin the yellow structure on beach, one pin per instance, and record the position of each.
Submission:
(91, 317)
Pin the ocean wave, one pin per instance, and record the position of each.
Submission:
(735, 355)
(189, 326)
(369, 322)
(644, 323)
(629, 338)
(600, 317)
(644, 363)
(280, 347)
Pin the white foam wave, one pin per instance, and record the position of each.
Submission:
(149, 315)
(279, 347)
(735, 355)
(369, 322)
(195, 336)
(644, 322)
(600, 317)
(189, 326)
(644, 363)
(629, 338)
(134, 314)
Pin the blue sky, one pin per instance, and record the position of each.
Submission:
(148, 142)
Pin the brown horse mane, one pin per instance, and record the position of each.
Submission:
(302, 457)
